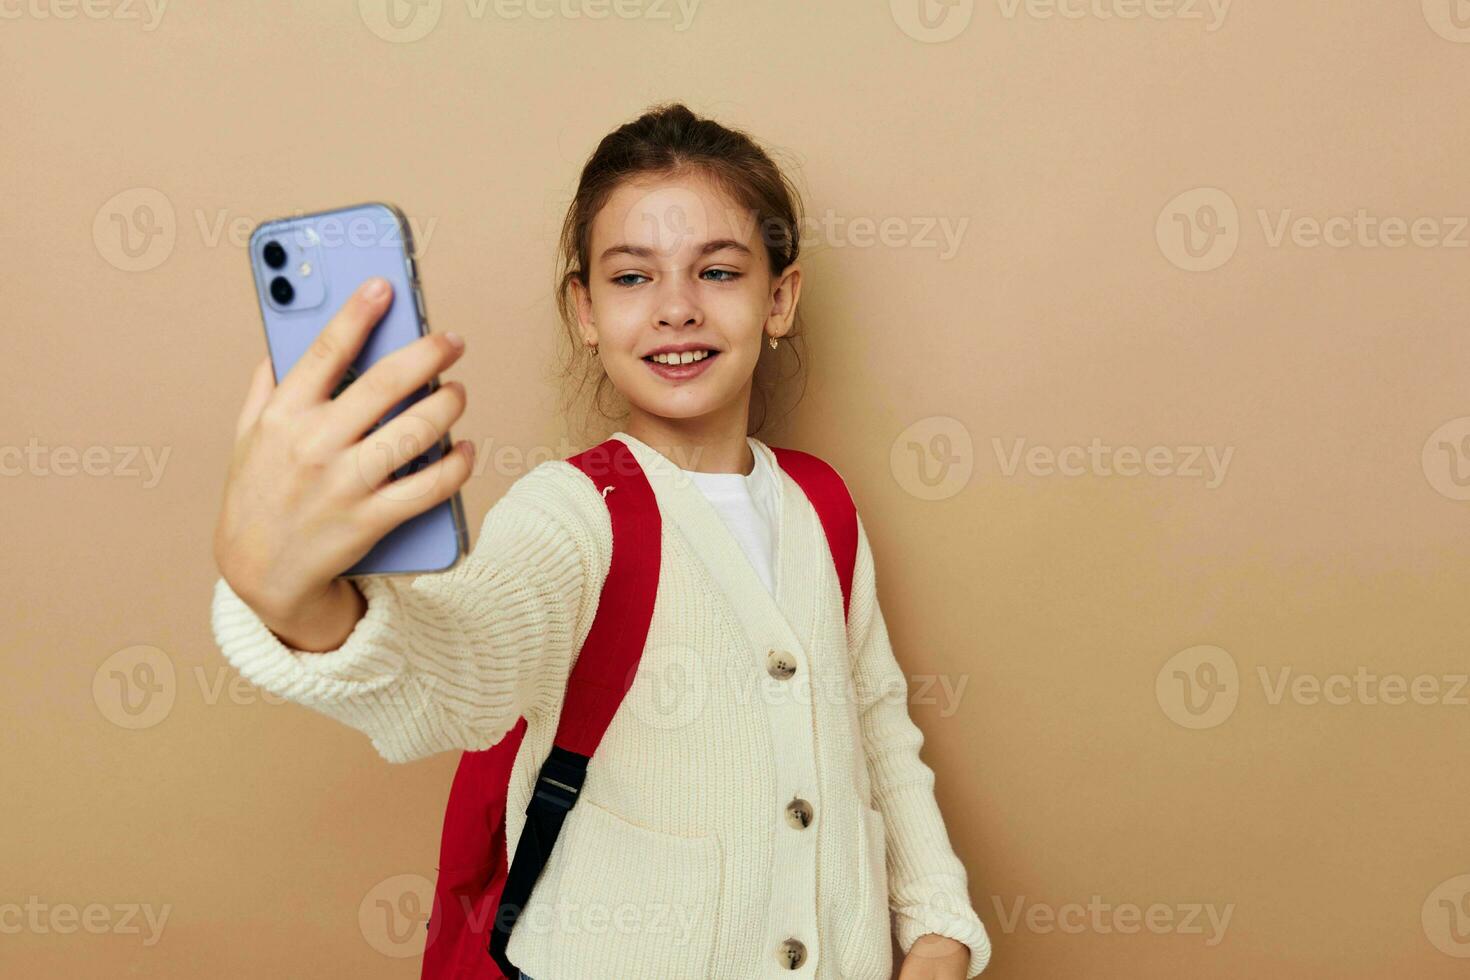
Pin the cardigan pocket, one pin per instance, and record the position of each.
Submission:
(631, 901)
(867, 952)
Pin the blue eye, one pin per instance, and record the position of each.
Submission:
(729, 273)
(618, 280)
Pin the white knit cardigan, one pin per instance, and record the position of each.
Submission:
(679, 860)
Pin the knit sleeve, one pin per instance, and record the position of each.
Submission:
(451, 660)
(927, 884)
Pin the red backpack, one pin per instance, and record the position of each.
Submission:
(477, 898)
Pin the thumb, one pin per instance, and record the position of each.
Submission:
(262, 383)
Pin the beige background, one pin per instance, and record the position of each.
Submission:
(1037, 612)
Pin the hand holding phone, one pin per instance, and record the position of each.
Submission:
(311, 490)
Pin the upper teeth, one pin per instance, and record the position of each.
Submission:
(683, 358)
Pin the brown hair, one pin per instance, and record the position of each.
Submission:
(666, 141)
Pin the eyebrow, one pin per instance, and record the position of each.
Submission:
(645, 252)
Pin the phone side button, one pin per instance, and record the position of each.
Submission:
(418, 301)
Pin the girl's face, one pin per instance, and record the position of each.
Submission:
(674, 263)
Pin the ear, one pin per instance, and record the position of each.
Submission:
(582, 299)
(785, 292)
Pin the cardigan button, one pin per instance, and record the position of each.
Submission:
(791, 954)
(799, 813)
(780, 664)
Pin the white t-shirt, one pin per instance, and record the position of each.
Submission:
(747, 502)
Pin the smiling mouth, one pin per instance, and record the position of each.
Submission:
(677, 360)
(675, 368)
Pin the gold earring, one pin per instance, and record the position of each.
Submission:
(592, 349)
(773, 343)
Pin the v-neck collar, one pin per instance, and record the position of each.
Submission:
(711, 540)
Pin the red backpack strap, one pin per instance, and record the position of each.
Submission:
(829, 496)
(601, 677)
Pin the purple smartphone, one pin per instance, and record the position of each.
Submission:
(305, 268)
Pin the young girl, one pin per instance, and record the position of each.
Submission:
(776, 820)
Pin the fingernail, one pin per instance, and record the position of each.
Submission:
(469, 448)
(455, 340)
(375, 288)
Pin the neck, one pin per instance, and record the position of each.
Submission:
(695, 444)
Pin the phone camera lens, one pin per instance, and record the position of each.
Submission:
(281, 290)
(274, 255)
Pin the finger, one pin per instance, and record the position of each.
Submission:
(410, 434)
(262, 383)
(395, 502)
(312, 378)
(388, 382)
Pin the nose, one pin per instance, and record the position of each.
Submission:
(677, 306)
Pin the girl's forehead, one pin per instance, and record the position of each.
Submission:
(669, 214)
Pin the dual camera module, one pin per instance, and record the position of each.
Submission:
(274, 255)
